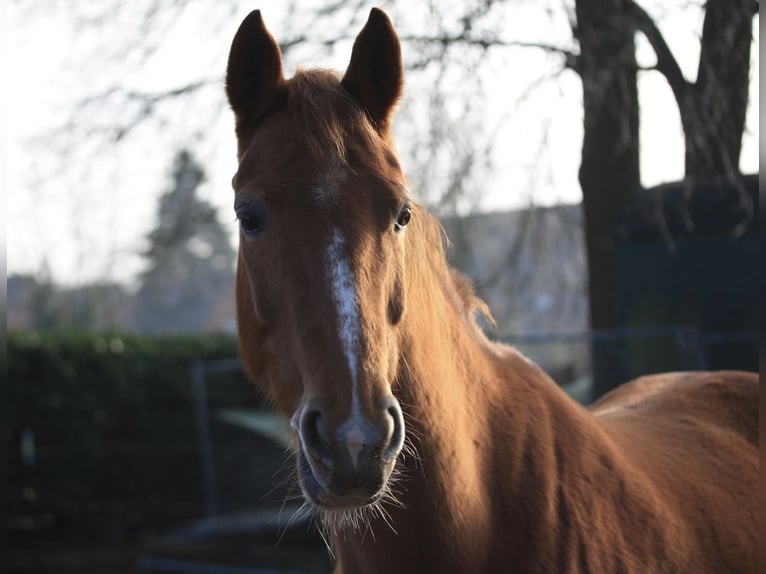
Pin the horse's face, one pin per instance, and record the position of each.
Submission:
(323, 212)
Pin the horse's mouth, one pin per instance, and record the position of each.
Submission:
(324, 497)
(332, 502)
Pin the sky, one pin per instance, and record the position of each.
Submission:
(78, 208)
(3, 147)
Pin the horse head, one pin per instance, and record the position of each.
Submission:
(323, 211)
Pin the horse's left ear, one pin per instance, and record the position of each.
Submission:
(375, 74)
(254, 77)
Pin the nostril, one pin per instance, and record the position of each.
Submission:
(312, 436)
(310, 429)
(396, 441)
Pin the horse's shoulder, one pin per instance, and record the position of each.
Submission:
(687, 438)
(725, 399)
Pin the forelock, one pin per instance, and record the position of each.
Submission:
(325, 113)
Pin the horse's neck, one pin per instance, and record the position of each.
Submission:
(485, 417)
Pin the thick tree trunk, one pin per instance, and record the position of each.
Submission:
(713, 108)
(610, 162)
(713, 115)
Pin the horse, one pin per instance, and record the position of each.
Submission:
(420, 445)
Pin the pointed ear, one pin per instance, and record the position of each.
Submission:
(254, 76)
(375, 74)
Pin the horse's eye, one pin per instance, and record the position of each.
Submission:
(252, 217)
(405, 214)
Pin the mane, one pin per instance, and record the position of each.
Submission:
(458, 286)
(325, 113)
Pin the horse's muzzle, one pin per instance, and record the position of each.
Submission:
(350, 466)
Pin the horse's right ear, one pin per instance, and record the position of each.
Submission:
(375, 74)
(254, 76)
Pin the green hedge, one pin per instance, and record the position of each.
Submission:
(115, 444)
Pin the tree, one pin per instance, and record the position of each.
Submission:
(712, 111)
(610, 162)
(190, 259)
(712, 108)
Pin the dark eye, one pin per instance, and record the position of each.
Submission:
(405, 214)
(252, 217)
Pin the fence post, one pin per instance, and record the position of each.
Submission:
(202, 420)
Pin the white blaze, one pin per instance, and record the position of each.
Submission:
(344, 295)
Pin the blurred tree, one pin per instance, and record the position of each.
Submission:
(190, 259)
(712, 111)
(609, 170)
(714, 106)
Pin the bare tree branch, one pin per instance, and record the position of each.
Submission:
(485, 43)
(149, 97)
(666, 62)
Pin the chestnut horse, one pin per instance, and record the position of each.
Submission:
(423, 446)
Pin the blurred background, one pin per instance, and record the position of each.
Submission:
(594, 162)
